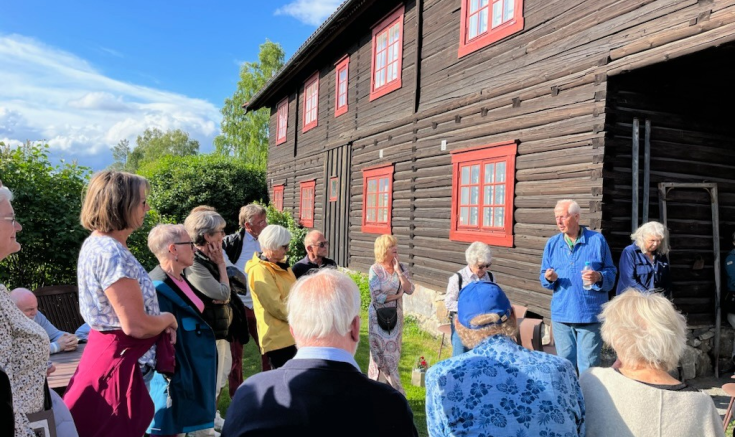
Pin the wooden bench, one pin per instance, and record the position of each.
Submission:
(60, 304)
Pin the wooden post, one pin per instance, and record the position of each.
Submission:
(634, 174)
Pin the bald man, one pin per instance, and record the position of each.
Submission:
(317, 249)
(60, 341)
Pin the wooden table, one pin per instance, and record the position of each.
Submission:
(66, 364)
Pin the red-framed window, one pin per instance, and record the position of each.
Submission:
(333, 189)
(377, 195)
(483, 184)
(278, 197)
(306, 206)
(311, 101)
(385, 73)
(341, 79)
(483, 22)
(281, 121)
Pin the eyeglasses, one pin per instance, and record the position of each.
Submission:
(10, 219)
(484, 266)
(322, 244)
(190, 243)
(285, 247)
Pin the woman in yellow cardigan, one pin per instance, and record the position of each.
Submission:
(270, 280)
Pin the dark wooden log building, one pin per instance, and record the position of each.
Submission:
(448, 121)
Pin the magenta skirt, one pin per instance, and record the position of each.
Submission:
(107, 396)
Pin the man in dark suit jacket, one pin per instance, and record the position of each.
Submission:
(321, 391)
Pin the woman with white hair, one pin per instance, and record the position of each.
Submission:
(639, 397)
(270, 279)
(644, 265)
(479, 259)
(185, 401)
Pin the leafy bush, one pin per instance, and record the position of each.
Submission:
(47, 201)
(361, 279)
(138, 240)
(296, 249)
(180, 183)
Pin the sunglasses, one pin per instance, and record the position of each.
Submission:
(190, 243)
(484, 266)
(322, 244)
(10, 219)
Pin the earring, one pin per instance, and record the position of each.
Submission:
(176, 258)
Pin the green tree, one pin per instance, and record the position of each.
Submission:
(155, 144)
(120, 154)
(179, 183)
(47, 201)
(245, 135)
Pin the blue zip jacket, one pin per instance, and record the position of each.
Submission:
(570, 302)
(637, 271)
(186, 403)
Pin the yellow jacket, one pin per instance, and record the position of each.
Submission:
(270, 284)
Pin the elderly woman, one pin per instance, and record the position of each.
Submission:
(107, 394)
(270, 280)
(24, 345)
(388, 279)
(191, 389)
(639, 397)
(644, 264)
(479, 259)
(208, 275)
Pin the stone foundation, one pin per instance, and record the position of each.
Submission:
(427, 306)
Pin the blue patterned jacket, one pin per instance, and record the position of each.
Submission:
(502, 389)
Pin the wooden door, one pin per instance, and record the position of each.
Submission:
(337, 203)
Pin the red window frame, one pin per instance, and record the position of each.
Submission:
(311, 102)
(486, 201)
(341, 83)
(333, 189)
(278, 197)
(281, 121)
(510, 23)
(377, 181)
(383, 30)
(306, 204)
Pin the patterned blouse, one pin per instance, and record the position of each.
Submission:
(502, 389)
(24, 352)
(102, 262)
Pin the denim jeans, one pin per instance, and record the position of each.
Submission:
(579, 343)
(458, 348)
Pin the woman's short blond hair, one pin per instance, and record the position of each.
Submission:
(382, 244)
(163, 236)
(110, 200)
(203, 222)
(644, 329)
(655, 229)
(472, 337)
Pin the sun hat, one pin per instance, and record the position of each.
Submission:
(479, 298)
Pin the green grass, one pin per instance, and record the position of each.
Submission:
(416, 343)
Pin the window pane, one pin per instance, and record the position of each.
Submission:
(372, 186)
(370, 202)
(385, 199)
(370, 215)
(475, 174)
(475, 195)
(473, 216)
(465, 197)
(379, 78)
(488, 198)
(384, 217)
(498, 217)
(483, 20)
(500, 195)
(500, 172)
(465, 175)
(380, 201)
(509, 6)
(381, 41)
(474, 6)
(473, 26)
(464, 214)
(489, 173)
(487, 217)
(394, 32)
(497, 13)
(394, 71)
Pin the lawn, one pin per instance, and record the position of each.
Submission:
(416, 343)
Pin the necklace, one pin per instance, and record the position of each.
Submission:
(172, 276)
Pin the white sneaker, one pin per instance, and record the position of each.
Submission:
(216, 434)
(219, 422)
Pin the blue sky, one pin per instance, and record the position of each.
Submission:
(83, 74)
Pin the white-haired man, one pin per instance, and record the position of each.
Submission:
(27, 302)
(317, 249)
(321, 391)
(499, 388)
(578, 293)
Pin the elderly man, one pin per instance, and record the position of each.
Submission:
(60, 341)
(578, 268)
(317, 249)
(321, 391)
(500, 388)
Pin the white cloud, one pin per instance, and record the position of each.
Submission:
(52, 95)
(312, 12)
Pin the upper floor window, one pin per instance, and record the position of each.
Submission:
(377, 195)
(341, 81)
(483, 184)
(486, 21)
(306, 207)
(281, 121)
(278, 197)
(387, 54)
(311, 101)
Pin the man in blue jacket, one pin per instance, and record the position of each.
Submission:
(574, 309)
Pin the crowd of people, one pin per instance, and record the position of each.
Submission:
(163, 344)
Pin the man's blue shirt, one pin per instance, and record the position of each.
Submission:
(570, 302)
(502, 389)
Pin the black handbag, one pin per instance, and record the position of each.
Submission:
(387, 316)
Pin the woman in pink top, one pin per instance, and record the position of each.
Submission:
(186, 402)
